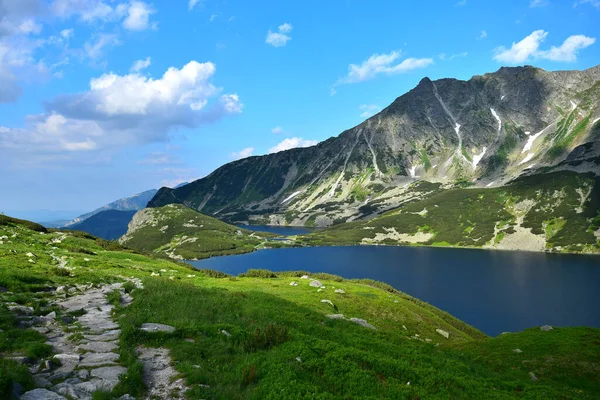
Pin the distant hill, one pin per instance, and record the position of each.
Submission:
(109, 224)
(182, 233)
(133, 203)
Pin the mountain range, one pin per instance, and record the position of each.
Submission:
(484, 133)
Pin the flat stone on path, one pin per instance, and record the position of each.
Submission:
(109, 373)
(158, 374)
(42, 394)
(99, 347)
(98, 359)
(107, 336)
(152, 327)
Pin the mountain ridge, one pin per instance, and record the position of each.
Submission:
(485, 131)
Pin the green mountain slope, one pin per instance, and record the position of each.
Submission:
(487, 130)
(553, 212)
(109, 224)
(182, 233)
(280, 342)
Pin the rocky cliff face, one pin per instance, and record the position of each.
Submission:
(485, 132)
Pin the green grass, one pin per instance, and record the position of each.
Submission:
(272, 324)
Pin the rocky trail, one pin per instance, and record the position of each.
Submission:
(85, 341)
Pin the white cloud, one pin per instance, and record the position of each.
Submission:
(446, 57)
(482, 35)
(277, 130)
(569, 49)
(521, 51)
(140, 65)
(383, 64)
(529, 48)
(538, 3)
(280, 38)
(593, 3)
(67, 33)
(87, 10)
(96, 46)
(291, 143)
(138, 16)
(285, 28)
(158, 158)
(461, 3)
(193, 3)
(124, 110)
(244, 153)
(212, 17)
(369, 110)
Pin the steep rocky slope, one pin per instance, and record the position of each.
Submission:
(486, 131)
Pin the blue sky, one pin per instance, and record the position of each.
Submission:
(101, 99)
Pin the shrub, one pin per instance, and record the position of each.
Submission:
(249, 375)
(265, 338)
(60, 271)
(39, 350)
(211, 273)
(128, 287)
(259, 273)
(81, 250)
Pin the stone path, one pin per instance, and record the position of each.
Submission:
(87, 357)
(159, 375)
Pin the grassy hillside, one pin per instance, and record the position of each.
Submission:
(109, 224)
(182, 233)
(280, 343)
(555, 212)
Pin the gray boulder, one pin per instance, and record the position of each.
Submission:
(315, 284)
(42, 394)
(546, 328)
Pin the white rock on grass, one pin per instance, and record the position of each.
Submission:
(443, 333)
(339, 291)
(328, 302)
(315, 284)
(335, 316)
(362, 322)
(518, 351)
(546, 328)
(224, 332)
(304, 277)
(152, 327)
(293, 283)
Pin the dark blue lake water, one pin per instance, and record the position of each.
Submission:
(279, 230)
(495, 291)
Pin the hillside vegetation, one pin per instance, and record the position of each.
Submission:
(259, 336)
(553, 212)
(182, 233)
